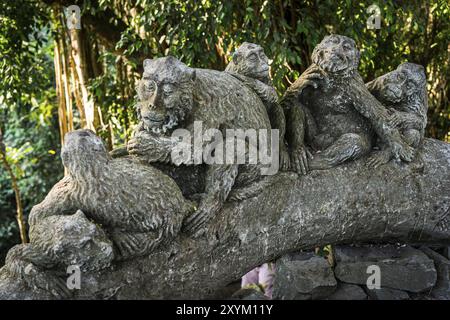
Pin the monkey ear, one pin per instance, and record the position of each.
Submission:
(147, 63)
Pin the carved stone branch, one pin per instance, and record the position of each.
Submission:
(347, 204)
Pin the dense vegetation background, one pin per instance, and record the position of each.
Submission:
(53, 79)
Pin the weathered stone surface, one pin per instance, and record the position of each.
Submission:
(303, 276)
(356, 205)
(441, 289)
(141, 210)
(446, 252)
(249, 294)
(402, 267)
(347, 291)
(330, 109)
(387, 294)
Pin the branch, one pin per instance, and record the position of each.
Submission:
(348, 204)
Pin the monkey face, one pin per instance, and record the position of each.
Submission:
(251, 61)
(82, 147)
(336, 54)
(403, 82)
(165, 93)
(75, 240)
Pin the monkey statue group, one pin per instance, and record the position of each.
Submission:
(141, 199)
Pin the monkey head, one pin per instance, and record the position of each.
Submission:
(337, 54)
(73, 240)
(405, 82)
(83, 153)
(165, 93)
(251, 61)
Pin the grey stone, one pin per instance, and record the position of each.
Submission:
(119, 194)
(446, 252)
(330, 110)
(251, 65)
(245, 219)
(347, 291)
(404, 93)
(248, 294)
(174, 96)
(402, 267)
(387, 294)
(303, 276)
(441, 289)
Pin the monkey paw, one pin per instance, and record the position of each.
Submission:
(284, 159)
(403, 151)
(379, 158)
(300, 160)
(194, 223)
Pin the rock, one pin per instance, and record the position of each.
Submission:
(347, 291)
(248, 294)
(387, 294)
(441, 290)
(446, 252)
(401, 267)
(303, 276)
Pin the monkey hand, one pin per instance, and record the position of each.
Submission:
(148, 146)
(401, 150)
(284, 157)
(299, 160)
(310, 78)
(194, 223)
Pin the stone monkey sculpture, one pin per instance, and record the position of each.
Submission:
(251, 65)
(403, 92)
(331, 110)
(139, 206)
(56, 243)
(174, 96)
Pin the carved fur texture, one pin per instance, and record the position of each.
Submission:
(56, 243)
(173, 95)
(138, 205)
(330, 109)
(250, 65)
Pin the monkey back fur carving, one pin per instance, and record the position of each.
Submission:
(138, 205)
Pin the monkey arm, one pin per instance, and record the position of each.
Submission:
(29, 263)
(150, 147)
(370, 108)
(299, 125)
(219, 181)
(407, 120)
(57, 202)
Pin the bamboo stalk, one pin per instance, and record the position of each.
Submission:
(19, 207)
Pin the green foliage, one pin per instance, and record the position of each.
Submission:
(27, 111)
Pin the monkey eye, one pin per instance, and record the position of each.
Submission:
(400, 76)
(347, 47)
(263, 57)
(252, 57)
